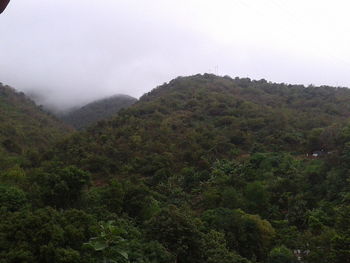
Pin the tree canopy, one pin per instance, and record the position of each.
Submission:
(201, 169)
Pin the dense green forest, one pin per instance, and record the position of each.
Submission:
(201, 169)
(97, 110)
(25, 129)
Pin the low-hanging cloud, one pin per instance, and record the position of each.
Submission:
(71, 52)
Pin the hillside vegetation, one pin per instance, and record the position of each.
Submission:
(197, 120)
(98, 110)
(203, 169)
(24, 126)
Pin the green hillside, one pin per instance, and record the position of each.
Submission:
(197, 120)
(98, 110)
(203, 169)
(24, 126)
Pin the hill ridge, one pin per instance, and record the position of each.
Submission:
(97, 110)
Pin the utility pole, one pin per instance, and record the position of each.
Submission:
(216, 70)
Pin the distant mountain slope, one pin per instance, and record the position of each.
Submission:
(202, 118)
(97, 110)
(25, 126)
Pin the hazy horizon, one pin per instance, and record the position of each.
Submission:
(71, 53)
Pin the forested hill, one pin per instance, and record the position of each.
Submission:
(203, 169)
(97, 110)
(196, 120)
(24, 126)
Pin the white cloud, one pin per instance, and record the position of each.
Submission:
(75, 51)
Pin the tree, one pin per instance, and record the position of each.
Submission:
(12, 198)
(44, 235)
(281, 254)
(248, 234)
(110, 243)
(215, 249)
(178, 232)
(340, 244)
(257, 198)
(59, 187)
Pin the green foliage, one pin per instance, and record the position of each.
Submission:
(12, 198)
(253, 115)
(178, 232)
(112, 197)
(201, 169)
(247, 234)
(215, 249)
(25, 126)
(281, 255)
(340, 243)
(44, 235)
(110, 243)
(139, 202)
(257, 198)
(59, 187)
(96, 111)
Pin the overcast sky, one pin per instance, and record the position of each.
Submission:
(74, 51)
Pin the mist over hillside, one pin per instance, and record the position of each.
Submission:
(81, 117)
(81, 113)
(68, 101)
(24, 126)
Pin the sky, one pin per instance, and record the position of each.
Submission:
(67, 53)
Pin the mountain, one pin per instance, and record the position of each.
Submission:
(24, 126)
(203, 169)
(96, 111)
(197, 120)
